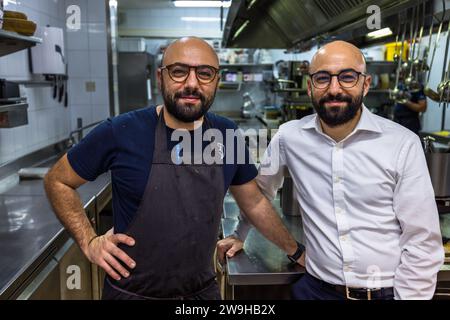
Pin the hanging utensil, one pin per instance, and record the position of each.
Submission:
(397, 94)
(408, 62)
(424, 66)
(443, 87)
(430, 93)
(412, 82)
(396, 57)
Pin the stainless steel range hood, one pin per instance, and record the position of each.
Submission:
(300, 23)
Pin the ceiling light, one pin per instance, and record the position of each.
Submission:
(241, 28)
(251, 4)
(201, 3)
(380, 33)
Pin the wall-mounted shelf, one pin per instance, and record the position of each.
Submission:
(13, 115)
(298, 90)
(34, 83)
(377, 67)
(230, 86)
(246, 65)
(11, 42)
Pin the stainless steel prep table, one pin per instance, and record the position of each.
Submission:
(261, 262)
(261, 270)
(30, 233)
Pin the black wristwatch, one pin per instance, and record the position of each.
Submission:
(298, 253)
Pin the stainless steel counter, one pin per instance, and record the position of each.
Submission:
(261, 262)
(30, 233)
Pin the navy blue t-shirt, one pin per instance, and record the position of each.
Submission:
(401, 110)
(125, 144)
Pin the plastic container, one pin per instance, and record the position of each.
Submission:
(393, 48)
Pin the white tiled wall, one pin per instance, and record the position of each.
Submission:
(88, 62)
(86, 51)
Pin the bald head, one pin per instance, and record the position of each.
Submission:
(340, 54)
(192, 50)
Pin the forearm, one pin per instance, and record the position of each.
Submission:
(416, 107)
(69, 209)
(264, 217)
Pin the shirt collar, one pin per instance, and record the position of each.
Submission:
(367, 122)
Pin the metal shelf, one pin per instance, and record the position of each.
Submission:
(377, 67)
(13, 115)
(250, 65)
(298, 90)
(379, 91)
(230, 86)
(11, 42)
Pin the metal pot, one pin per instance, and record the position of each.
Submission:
(439, 168)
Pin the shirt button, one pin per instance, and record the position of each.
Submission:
(347, 269)
(343, 238)
(337, 179)
(338, 210)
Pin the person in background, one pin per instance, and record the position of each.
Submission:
(166, 212)
(408, 114)
(369, 215)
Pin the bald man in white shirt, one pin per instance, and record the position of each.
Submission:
(369, 216)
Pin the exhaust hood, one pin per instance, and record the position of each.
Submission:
(299, 24)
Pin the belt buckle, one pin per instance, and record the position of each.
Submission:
(349, 297)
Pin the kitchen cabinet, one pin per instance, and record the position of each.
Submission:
(66, 275)
(74, 273)
(45, 286)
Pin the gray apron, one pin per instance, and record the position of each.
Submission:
(175, 228)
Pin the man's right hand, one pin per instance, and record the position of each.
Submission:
(103, 251)
(229, 246)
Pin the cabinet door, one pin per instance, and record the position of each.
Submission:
(75, 273)
(45, 286)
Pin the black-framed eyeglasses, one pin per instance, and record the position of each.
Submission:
(347, 78)
(179, 72)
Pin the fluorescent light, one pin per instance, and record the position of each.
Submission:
(380, 33)
(201, 3)
(241, 28)
(251, 4)
(201, 19)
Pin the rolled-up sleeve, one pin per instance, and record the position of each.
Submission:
(420, 241)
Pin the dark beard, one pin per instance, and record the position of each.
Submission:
(336, 116)
(186, 112)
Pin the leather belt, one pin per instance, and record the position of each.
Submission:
(351, 293)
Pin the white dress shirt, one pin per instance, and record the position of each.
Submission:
(368, 209)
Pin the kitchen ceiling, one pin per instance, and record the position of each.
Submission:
(290, 23)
